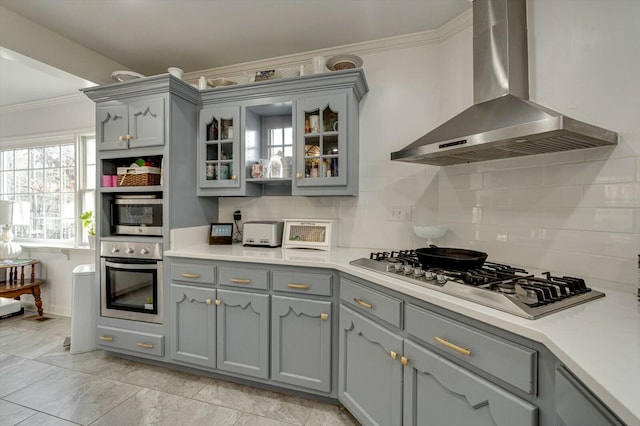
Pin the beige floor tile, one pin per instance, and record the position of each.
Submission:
(330, 415)
(73, 396)
(253, 420)
(12, 414)
(150, 407)
(17, 373)
(275, 406)
(42, 419)
(57, 325)
(97, 363)
(27, 343)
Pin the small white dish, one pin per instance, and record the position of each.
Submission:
(176, 72)
(124, 75)
(344, 62)
(430, 232)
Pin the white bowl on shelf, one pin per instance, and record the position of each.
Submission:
(430, 232)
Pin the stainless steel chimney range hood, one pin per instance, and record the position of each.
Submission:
(502, 123)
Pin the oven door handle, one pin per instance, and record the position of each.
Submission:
(132, 265)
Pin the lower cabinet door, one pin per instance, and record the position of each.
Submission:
(243, 333)
(576, 406)
(440, 393)
(301, 342)
(370, 371)
(194, 325)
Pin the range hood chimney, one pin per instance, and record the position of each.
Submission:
(503, 122)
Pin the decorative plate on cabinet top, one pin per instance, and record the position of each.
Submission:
(124, 75)
(344, 62)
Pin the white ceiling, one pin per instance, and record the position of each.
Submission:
(148, 36)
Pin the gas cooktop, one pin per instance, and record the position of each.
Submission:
(495, 285)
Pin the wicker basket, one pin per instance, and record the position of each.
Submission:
(138, 176)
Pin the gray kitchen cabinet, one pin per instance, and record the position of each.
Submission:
(243, 333)
(301, 346)
(271, 116)
(576, 405)
(370, 378)
(193, 314)
(438, 392)
(130, 124)
(220, 158)
(324, 152)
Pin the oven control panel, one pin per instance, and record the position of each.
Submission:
(131, 250)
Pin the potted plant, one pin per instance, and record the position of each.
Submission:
(89, 224)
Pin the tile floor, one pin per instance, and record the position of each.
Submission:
(43, 384)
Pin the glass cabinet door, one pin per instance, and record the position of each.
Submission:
(218, 165)
(322, 142)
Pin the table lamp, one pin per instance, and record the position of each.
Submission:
(12, 213)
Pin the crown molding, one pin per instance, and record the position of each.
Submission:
(43, 103)
(437, 36)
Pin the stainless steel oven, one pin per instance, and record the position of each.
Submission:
(131, 281)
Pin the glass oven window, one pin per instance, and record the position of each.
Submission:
(132, 290)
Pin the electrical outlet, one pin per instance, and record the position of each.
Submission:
(237, 215)
(399, 214)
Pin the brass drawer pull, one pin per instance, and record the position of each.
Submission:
(240, 281)
(106, 338)
(218, 302)
(324, 316)
(208, 301)
(186, 275)
(393, 355)
(145, 345)
(299, 286)
(362, 303)
(404, 361)
(450, 345)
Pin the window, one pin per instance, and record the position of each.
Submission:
(56, 175)
(279, 136)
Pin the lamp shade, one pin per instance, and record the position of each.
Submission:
(15, 213)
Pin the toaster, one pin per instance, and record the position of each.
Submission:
(262, 233)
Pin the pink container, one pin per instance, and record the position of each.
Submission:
(107, 180)
(114, 180)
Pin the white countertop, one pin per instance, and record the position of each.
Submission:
(598, 341)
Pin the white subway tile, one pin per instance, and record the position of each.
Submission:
(558, 196)
(496, 198)
(525, 177)
(615, 170)
(612, 195)
(594, 219)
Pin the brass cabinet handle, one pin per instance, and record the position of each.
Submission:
(121, 138)
(128, 137)
(187, 275)
(240, 281)
(300, 286)
(145, 345)
(234, 177)
(362, 303)
(450, 345)
(218, 302)
(404, 360)
(298, 175)
(106, 338)
(208, 301)
(393, 355)
(324, 316)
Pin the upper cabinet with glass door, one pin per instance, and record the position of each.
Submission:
(127, 125)
(295, 136)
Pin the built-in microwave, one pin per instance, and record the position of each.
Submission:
(133, 215)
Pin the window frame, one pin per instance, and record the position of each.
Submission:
(78, 137)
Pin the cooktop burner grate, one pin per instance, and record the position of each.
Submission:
(496, 285)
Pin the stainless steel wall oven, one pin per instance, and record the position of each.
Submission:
(131, 281)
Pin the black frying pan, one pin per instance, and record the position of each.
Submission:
(450, 258)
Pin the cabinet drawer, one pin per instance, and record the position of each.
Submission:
(505, 360)
(150, 344)
(385, 307)
(243, 277)
(302, 283)
(194, 273)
